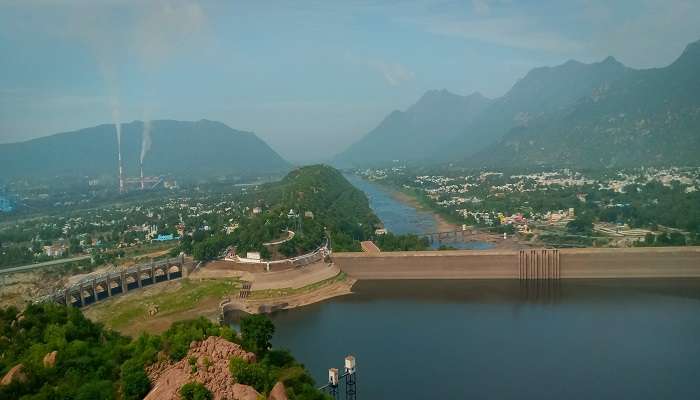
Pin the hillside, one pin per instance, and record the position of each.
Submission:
(575, 114)
(335, 203)
(201, 148)
(647, 117)
(335, 208)
(418, 133)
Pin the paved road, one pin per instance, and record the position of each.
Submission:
(43, 265)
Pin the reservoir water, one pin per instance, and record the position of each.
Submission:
(497, 340)
(598, 339)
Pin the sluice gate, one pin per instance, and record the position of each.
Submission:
(539, 264)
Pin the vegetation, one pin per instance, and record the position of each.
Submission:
(409, 242)
(96, 363)
(256, 332)
(194, 391)
(189, 295)
(322, 203)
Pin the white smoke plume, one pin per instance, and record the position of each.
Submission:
(146, 138)
(118, 126)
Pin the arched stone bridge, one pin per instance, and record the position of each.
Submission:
(100, 287)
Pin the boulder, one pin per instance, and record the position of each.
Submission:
(212, 357)
(16, 373)
(50, 359)
(244, 392)
(278, 392)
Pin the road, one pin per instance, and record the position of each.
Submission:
(43, 264)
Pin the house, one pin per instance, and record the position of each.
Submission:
(380, 231)
(55, 250)
(309, 214)
(257, 210)
(164, 238)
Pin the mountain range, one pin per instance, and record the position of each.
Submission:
(183, 148)
(601, 114)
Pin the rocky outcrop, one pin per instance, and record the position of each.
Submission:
(16, 373)
(50, 359)
(278, 392)
(206, 362)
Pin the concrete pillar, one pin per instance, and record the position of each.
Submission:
(94, 290)
(109, 285)
(138, 275)
(69, 300)
(153, 272)
(82, 297)
(125, 285)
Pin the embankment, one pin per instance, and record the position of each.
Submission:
(666, 262)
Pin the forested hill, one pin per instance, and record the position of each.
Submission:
(334, 202)
(313, 201)
(200, 149)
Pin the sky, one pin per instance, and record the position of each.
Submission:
(308, 77)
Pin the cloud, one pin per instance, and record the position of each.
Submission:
(481, 7)
(393, 73)
(515, 31)
(165, 27)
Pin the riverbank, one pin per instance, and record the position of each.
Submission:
(441, 224)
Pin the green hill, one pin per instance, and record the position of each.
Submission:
(200, 149)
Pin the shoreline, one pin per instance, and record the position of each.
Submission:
(288, 302)
(441, 224)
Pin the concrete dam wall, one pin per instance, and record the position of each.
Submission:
(530, 264)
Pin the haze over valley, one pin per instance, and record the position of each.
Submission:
(322, 200)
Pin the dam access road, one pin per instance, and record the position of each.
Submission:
(606, 263)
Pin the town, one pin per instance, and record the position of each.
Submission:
(616, 208)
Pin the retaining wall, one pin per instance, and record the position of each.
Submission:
(666, 262)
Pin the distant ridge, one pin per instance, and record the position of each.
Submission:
(417, 133)
(574, 114)
(197, 149)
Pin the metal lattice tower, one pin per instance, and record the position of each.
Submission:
(350, 378)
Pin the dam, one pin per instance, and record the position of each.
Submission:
(528, 264)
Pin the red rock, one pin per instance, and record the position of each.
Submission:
(50, 359)
(278, 392)
(16, 373)
(212, 358)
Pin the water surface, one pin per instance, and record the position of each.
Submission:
(604, 339)
(401, 218)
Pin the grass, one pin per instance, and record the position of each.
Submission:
(272, 293)
(119, 314)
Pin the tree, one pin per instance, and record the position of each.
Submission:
(253, 374)
(583, 224)
(135, 382)
(195, 391)
(257, 331)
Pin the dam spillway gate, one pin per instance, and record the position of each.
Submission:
(539, 264)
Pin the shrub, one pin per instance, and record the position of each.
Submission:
(194, 391)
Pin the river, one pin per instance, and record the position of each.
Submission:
(401, 218)
(598, 339)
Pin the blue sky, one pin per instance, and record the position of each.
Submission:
(309, 77)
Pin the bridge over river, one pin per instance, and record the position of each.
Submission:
(99, 287)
